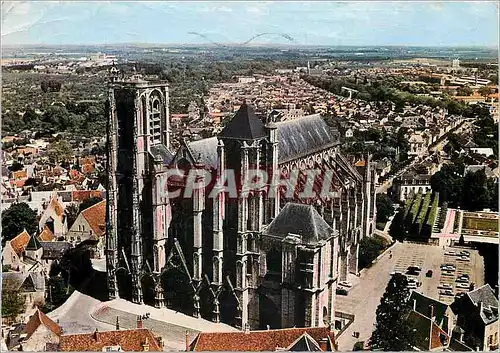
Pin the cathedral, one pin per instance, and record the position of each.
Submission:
(261, 258)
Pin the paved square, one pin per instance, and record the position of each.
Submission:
(364, 297)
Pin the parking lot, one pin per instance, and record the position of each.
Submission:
(364, 297)
(431, 258)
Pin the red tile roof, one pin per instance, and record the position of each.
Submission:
(87, 168)
(20, 174)
(39, 318)
(82, 195)
(265, 340)
(95, 216)
(46, 234)
(19, 242)
(56, 205)
(128, 340)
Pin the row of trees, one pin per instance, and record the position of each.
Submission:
(416, 218)
(472, 192)
(370, 248)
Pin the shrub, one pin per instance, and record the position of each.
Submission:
(358, 346)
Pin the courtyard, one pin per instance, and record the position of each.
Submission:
(368, 288)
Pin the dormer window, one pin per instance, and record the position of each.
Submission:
(112, 349)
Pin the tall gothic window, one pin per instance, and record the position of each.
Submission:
(155, 117)
(273, 262)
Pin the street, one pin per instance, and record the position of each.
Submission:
(364, 297)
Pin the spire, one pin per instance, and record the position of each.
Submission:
(33, 244)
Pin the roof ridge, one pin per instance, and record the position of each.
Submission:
(311, 209)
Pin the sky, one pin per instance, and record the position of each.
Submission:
(307, 23)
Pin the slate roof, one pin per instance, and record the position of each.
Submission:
(162, 152)
(34, 282)
(423, 304)
(303, 136)
(39, 318)
(244, 125)
(302, 220)
(258, 341)
(54, 249)
(129, 341)
(486, 296)
(205, 151)
(33, 244)
(12, 279)
(14, 336)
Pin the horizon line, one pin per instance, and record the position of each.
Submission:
(236, 45)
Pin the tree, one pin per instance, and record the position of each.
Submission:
(476, 195)
(392, 330)
(369, 249)
(484, 91)
(448, 182)
(58, 291)
(59, 151)
(89, 202)
(13, 302)
(16, 218)
(385, 208)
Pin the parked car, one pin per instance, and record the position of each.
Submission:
(445, 286)
(451, 252)
(463, 285)
(462, 280)
(446, 292)
(414, 269)
(341, 291)
(429, 273)
(448, 267)
(396, 273)
(464, 253)
(464, 258)
(345, 284)
(412, 285)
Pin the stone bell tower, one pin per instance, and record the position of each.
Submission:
(138, 129)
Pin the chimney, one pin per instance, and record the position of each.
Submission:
(247, 328)
(187, 341)
(117, 324)
(139, 321)
(96, 335)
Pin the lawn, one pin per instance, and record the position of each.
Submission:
(480, 223)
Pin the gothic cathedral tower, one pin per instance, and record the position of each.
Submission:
(138, 134)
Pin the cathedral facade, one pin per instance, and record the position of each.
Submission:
(261, 257)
